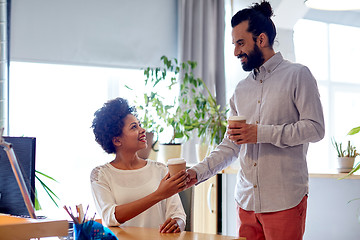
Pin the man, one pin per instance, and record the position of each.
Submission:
(281, 103)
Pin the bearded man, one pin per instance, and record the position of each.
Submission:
(281, 103)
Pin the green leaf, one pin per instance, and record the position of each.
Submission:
(179, 135)
(50, 193)
(47, 189)
(47, 176)
(353, 200)
(37, 203)
(128, 87)
(354, 131)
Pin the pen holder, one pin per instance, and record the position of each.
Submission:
(92, 230)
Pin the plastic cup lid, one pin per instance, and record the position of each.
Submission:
(237, 118)
(175, 161)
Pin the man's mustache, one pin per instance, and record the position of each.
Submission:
(242, 55)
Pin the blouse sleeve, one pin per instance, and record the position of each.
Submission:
(103, 198)
(174, 208)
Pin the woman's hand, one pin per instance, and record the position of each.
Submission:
(172, 185)
(172, 226)
(168, 186)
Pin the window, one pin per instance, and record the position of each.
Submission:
(331, 55)
(328, 50)
(55, 104)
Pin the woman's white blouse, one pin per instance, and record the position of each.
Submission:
(112, 187)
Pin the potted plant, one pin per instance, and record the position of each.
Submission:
(188, 109)
(164, 107)
(194, 109)
(198, 111)
(209, 119)
(357, 166)
(345, 157)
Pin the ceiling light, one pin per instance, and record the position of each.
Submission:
(333, 5)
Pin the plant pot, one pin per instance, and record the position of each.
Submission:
(153, 154)
(345, 164)
(167, 151)
(144, 153)
(203, 150)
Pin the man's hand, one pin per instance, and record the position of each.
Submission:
(241, 133)
(191, 178)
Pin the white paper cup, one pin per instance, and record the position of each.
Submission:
(175, 165)
(236, 119)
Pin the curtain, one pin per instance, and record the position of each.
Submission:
(107, 33)
(201, 27)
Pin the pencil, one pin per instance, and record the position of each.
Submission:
(71, 215)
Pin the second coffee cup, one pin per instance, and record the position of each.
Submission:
(235, 119)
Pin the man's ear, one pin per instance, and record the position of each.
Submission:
(263, 40)
(116, 141)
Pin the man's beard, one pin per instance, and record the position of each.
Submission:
(254, 60)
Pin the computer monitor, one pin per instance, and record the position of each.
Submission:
(11, 199)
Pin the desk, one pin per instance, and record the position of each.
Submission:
(135, 233)
(17, 228)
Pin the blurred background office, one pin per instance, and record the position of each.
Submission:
(66, 58)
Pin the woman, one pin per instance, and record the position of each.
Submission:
(131, 191)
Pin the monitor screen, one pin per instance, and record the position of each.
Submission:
(11, 200)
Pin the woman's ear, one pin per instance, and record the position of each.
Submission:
(116, 141)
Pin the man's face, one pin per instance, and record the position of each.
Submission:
(245, 47)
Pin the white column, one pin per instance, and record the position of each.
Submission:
(3, 66)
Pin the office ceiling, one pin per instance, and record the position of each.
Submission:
(287, 12)
(351, 18)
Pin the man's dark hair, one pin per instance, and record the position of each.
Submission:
(109, 122)
(258, 16)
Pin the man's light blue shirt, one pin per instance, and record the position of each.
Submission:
(283, 100)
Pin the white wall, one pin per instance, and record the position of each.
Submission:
(329, 215)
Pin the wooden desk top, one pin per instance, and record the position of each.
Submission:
(17, 228)
(135, 233)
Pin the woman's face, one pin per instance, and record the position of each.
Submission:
(133, 135)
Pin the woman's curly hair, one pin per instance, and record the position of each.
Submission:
(109, 122)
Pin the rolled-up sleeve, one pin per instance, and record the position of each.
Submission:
(174, 208)
(103, 198)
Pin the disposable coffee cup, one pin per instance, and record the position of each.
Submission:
(175, 165)
(236, 119)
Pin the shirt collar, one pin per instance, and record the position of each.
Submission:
(269, 66)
